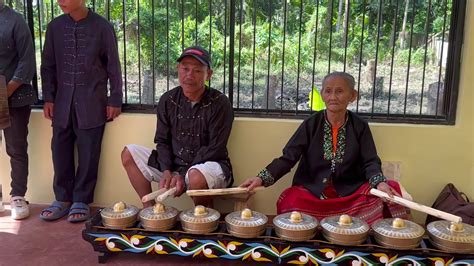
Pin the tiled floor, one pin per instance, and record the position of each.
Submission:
(35, 242)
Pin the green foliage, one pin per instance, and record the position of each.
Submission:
(417, 56)
(290, 39)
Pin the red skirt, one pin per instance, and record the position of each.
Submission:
(360, 204)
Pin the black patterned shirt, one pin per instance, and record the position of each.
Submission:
(354, 162)
(79, 59)
(192, 133)
(17, 54)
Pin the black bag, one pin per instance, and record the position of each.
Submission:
(452, 201)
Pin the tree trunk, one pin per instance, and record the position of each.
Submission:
(378, 87)
(42, 15)
(328, 15)
(148, 96)
(270, 93)
(403, 34)
(339, 15)
(346, 20)
(435, 99)
(369, 72)
(106, 9)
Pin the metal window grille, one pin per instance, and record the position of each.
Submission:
(270, 56)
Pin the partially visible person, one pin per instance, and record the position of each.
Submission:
(193, 125)
(80, 57)
(338, 162)
(17, 65)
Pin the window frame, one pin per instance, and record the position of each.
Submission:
(451, 81)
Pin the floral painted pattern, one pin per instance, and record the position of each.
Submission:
(278, 252)
(336, 157)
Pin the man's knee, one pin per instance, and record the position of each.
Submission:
(127, 158)
(196, 179)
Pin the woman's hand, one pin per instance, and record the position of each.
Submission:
(383, 186)
(252, 183)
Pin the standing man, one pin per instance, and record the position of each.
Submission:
(193, 126)
(17, 65)
(80, 57)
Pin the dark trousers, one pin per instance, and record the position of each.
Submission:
(16, 140)
(69, 184)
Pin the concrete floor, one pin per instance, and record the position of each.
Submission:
(36, 242)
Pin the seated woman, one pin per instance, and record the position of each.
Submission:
(338, 162)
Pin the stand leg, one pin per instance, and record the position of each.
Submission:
(103, 257)
(240, 204)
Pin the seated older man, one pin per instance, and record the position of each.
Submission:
(193, 126)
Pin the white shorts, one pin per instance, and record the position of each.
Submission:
(211, 171)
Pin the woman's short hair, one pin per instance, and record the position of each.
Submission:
(346, 76)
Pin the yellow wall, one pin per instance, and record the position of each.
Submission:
(431, 156)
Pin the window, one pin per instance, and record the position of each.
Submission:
(269, 57)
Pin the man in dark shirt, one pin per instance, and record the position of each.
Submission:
(193, 126)
(17, 64)
(80, 57)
